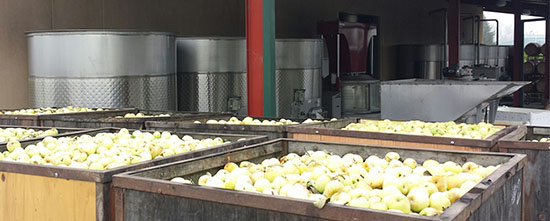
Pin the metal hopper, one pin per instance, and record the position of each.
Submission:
(444, 100)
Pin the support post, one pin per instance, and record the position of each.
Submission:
(547, 62)
(269, 57)
(453, 19)
(518, 51)
(260, 57)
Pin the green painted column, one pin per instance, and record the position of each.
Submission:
(268, 8)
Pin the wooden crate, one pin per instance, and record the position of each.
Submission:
(537, 169)
(36, 192)
(331, 131)
(147, 194)
(38, 119)
(63, 131)
(100, 120)
(271, 131)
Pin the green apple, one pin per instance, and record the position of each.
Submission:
(439, 201)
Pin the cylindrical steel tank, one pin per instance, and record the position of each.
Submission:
(503, 52)
(492, 57)
(212, 74)
(298, 67)
(430, 61)
(102, 68)
(467, 55)
(483, 52)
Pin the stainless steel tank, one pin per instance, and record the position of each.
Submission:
(211, 74)
(421, 61)
(503, 54)
(483, 53)
(430, 61)
(297, 71)
(492, 55)
(467, 55)
(102, 68)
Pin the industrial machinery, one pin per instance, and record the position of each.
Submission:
(212, 75)
(353, 70)
(444, 100)
(100, 68)
(429, 62)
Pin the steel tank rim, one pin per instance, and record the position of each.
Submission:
(210, 54)
(132, 32)
(289, 53)
(213, 38)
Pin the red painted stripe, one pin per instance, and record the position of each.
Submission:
(254, 58)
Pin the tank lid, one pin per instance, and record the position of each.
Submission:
(95, 32)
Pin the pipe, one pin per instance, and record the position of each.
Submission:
(338, 55)
(478, 44)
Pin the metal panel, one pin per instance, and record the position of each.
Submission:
(360, 97)
(139, 91)
(298, 66)
(492, 56)
(287, 81)
(210, 92)
(428, 100)
(211, 55)
(467, 55)
(102, 69)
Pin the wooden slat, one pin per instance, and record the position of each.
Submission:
(314, 137)
(353, 140)
(29, 197)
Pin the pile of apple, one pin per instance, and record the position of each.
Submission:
(20, 133)
(544, 139)
(383, 184)
(104, 150)
(49, 110)
(142, 115)
(445, 129)
(252, 121)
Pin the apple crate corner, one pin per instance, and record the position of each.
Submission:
(537, 168)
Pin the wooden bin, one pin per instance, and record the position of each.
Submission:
(331, 131)
(38, 119)
(36, 192)
(537, 169)
(147, 194)
(100, 120)
(271, 131)
(62, 131)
